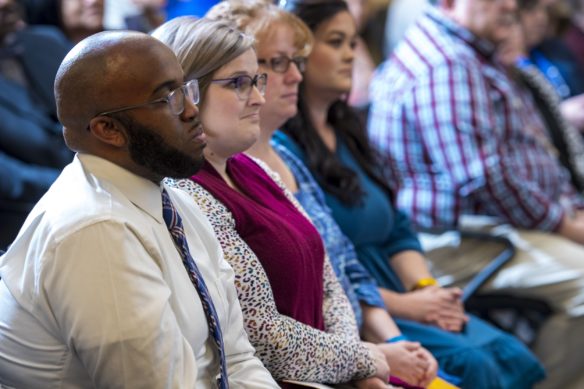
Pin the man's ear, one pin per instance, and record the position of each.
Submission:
(109, 130)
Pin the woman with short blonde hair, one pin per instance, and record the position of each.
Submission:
(295, 312)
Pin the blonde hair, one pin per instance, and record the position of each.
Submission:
(202, 46)
(259, 17)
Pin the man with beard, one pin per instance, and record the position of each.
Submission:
(115, 280)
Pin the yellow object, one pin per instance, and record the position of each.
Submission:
(439, 383)
(424, 282)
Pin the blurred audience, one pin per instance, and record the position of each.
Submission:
(463, 139)
(138, 15)
(529, 46)
(32, 149)
(416, 97)
(78, 19)
(328, 137)
(542, 23)
(564, 136)
(574, 35)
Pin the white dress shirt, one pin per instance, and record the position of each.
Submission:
(95, 294)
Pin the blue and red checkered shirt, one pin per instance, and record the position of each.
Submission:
(461, 137)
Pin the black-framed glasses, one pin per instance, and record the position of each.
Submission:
(282, 64)
(244, 83)
(175, 99)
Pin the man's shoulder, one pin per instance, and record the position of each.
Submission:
(419, 62)
(75, 201)
(72, 206)
(428, 46)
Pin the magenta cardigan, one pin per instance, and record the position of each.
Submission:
(287, 244)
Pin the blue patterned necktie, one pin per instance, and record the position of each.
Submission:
(175, 227)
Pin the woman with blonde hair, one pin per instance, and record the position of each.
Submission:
(295, 312)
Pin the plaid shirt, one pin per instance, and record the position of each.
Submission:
(461, 136)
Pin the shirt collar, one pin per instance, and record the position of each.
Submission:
(142, 192)
(481, 45)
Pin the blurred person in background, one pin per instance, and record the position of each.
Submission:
(138, 15)
(32, 149)
(564, 136)
(464, 141)
(78, 19)
(574, 35)
(540, 21)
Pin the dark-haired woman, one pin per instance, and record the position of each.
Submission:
(327, 135)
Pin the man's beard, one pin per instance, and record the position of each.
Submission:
(149, 150)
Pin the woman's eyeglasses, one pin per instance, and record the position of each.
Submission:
(243, 84)
(282, 64)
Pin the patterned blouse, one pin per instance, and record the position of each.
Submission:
(288, 348)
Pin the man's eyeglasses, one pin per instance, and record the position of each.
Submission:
(244, 83)
(282, 64)
(175, 99)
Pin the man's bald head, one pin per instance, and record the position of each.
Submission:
(101, 73)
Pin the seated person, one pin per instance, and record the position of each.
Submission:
(76, 19)
(32, 150)
(296, 314)
(460, 138)
(550, 55)
(283, 57)
(574, 36)
(327, 136)
(539, 20)
(116, 280)
(565, 138)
